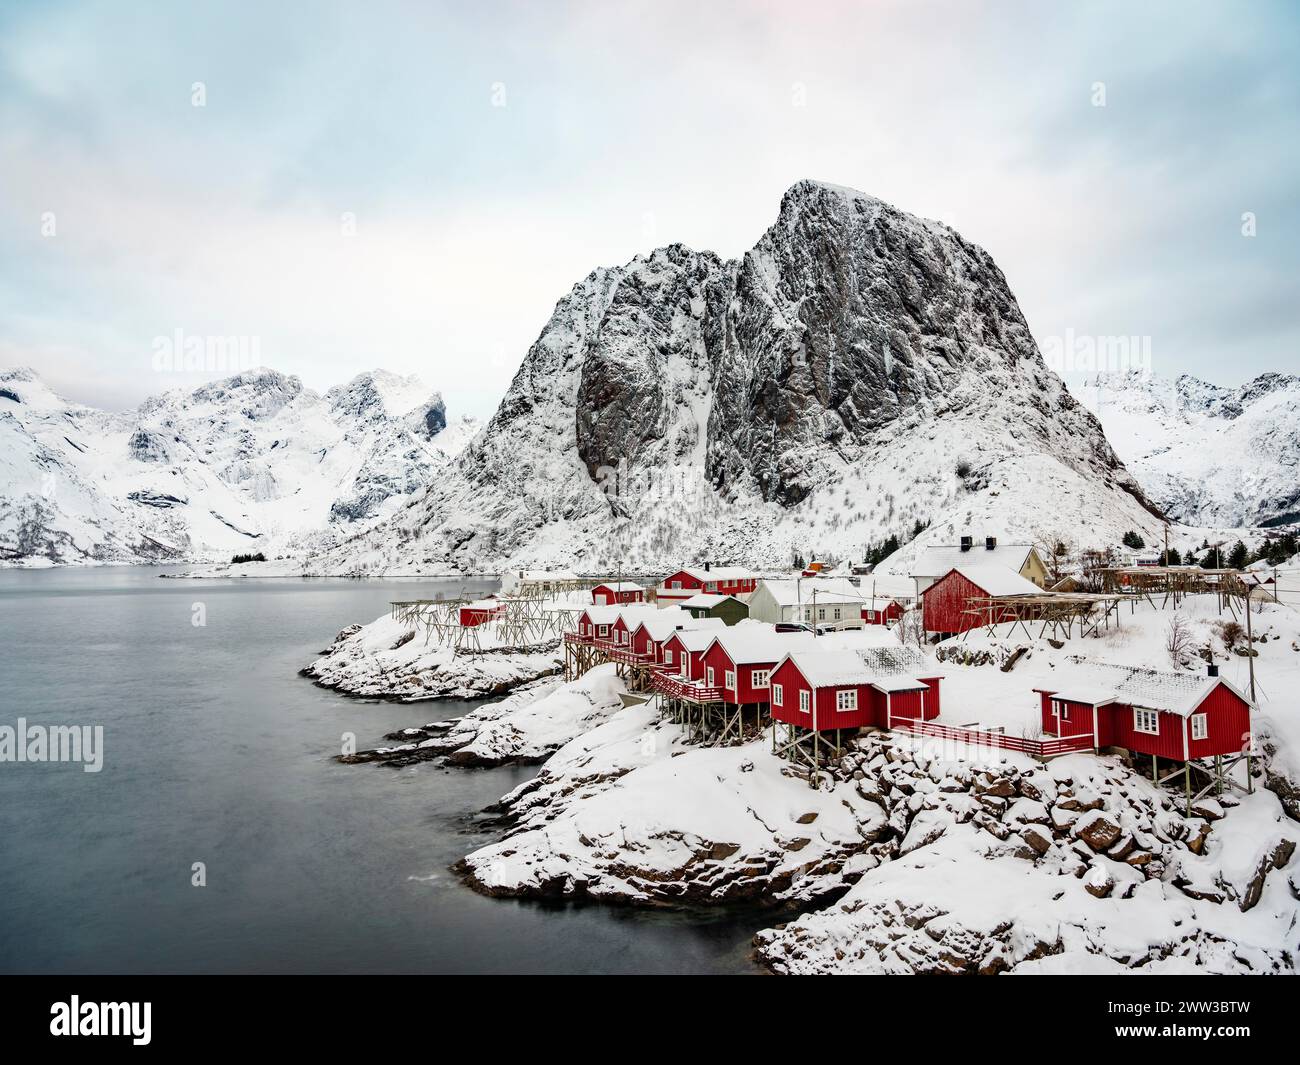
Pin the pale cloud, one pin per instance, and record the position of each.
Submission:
(625, 126)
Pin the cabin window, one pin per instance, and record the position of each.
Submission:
(761, 678)
(805, 702)
(1060, 710)
(731, 680)
(1200, 726)
(675, 584)
(846, 699)
(668, 657)
(712, 678)
(835, 615)
(777, 695)
(604, 630)
(711, 586)
(821, 613)
(1147, 721)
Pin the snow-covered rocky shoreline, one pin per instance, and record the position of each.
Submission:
(388, 660)
(910, 857)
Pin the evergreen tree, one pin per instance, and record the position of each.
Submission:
(1134, 540)
(1171, 557)
(1238, 556)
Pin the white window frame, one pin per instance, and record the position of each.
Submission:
(761, 678)
(777, 695)
(730, 680)
(1200, 727)
(1060, 710)
(602, 630)
(835, 614)
(849, 703)
(1146, 721)
(712, 677)
(821, 613)
(675, 584)
(805, 701)
(668, 656)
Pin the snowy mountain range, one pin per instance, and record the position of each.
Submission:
(858, 371)
(1208, 456)
(253, 463)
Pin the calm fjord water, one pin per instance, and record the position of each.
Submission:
(215, 751)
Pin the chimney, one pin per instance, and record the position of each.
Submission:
(706, 565)
(966, 543)
(990, 542)
(1212, 670)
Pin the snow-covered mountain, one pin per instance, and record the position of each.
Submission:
(1211, 456)
(253, 463)
(858, 370)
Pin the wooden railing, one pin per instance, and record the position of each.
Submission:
(676, 686)
(1044, 748)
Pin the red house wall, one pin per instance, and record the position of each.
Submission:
(1078, 723)
(744, 691)
(604, 595)
(1228, 722)
(887, 616)
(943, 602)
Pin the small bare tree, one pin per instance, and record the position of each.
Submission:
(911, 627)
(1178, 641)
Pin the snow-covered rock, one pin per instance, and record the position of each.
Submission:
(388, 659)
(253, 463)
(1208, 456)
(858, 370)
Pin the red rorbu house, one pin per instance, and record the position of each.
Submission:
(595, 621)
(824, 690)
(683, 652)
(650, 636)
(617, 593)
(480, 612)
(627, 619)
(881, 610)
(740, 661)
(946, 602)
(720, 580)
(1166, 715)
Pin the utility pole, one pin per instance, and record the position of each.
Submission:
(1250, 646)
(816, 627)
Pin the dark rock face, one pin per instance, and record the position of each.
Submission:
(145, 446)
(849, 331)
(435, 418)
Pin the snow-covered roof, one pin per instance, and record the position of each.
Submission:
(759, 643)
(1175, 693)
(660, 628)
(937, 561)
(620, 586)
(696, 639)
(887, 585)
(707, 600)
(835, 668)
(998, 580)
(786, 591)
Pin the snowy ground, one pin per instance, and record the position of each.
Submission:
(526, 727)
(386, 659)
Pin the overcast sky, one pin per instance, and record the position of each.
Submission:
(491, 155)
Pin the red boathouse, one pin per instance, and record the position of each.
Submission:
(946, 602)
(1169, 715)
(826, 690)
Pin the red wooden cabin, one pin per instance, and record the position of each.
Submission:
(595, 621)
(480, 612)
(945, 602)
(837, 690)
(740, 661)
(881, 611)
(1169, 715)
(651, 634)
(617, 593)
(683, 652)
(720, 580)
